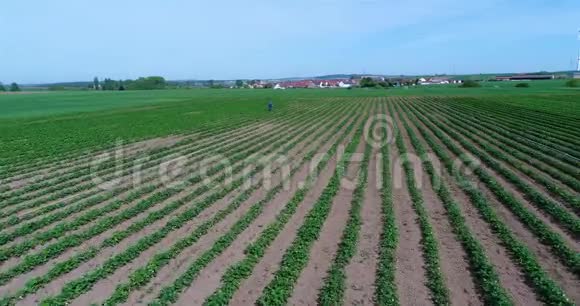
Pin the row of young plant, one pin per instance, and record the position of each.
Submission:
(31, 227)
(332, 291)
(170, 293)
(552, 131)
(59, 231)
(297, 255)
(543, 232)
(385, 284)
(541, 152)
(195, 209)
(485, 276)
(560, 159)
(103, 225)
(206, 149)
(545, 288)
(522, 134)
(55, 170)
(145, 274)
(73, 289)
(108, 170)
(237, 273)
(110, 195)
(515, 149)
(567, 197)
(553, 209)
(429, 245)
(77, 188)
(60, 160)
(205, 135)
(539, 121)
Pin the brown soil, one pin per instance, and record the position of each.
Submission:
(410, 266)
(152, 171)
(525, 178)
(568, 237)
(139, 147)
(361, 272)
(104, 255)
(548, 261)
(510, 275)
(453, 258)
(173, 270)
(251, 288)
(246, 133)
(209, 278)
(531, 163)
(107, 253)
(324, 249)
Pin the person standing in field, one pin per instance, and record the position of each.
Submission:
(270, 106)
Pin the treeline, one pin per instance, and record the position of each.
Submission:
(368, 82)
(143, 83)
(13, 87)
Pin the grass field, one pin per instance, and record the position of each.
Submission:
(422, 196)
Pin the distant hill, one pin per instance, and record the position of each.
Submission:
(199, 83)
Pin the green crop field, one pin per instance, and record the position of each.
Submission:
(407, 196)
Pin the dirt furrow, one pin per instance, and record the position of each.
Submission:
(142, 214)
(129, 150)
(361, 272)
(251, 288)
(324, 249)
(97, 240)
(209, 278)
(567, 236)
(511, 277)
(103, 289)
(454, 263)
(410, 272)
(524, 177)
(89, 192)
(105, 254)
(190, 170)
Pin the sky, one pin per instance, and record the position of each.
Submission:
(76, 40)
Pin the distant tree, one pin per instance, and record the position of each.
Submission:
(573, 83)
(2, 88)
(269, 85)
(109, 84)
(14, 87)
(148, 83)
(367, 82)
(96, 83)
(522, 85)
(383, 84)
(239, 83)
(470, 84)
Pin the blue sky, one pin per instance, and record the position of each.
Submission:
(70, 40)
